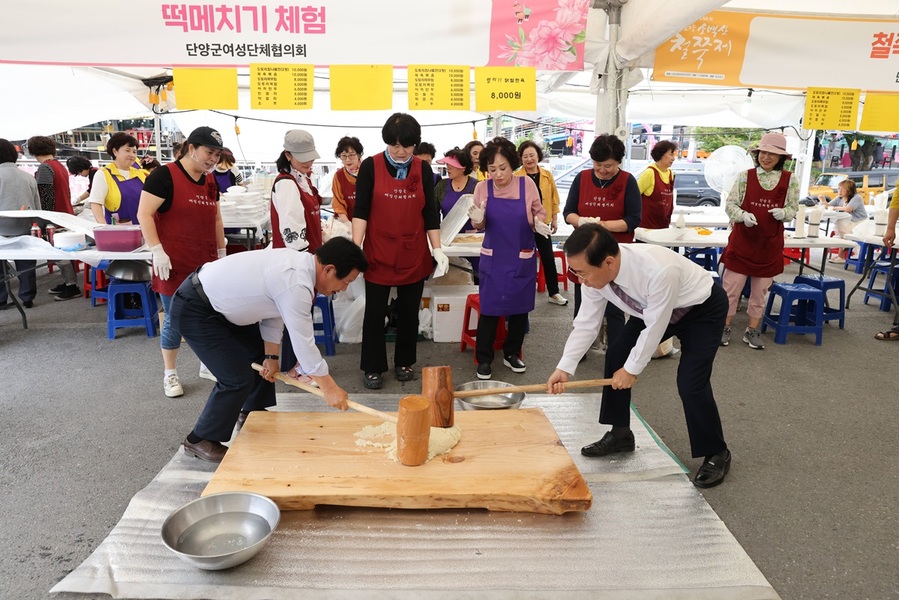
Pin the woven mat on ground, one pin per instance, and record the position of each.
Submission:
(649, 535)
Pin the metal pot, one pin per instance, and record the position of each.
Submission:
(492, 401)
(130, 270)
(222, 530)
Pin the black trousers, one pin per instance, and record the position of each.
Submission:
(699, 332)
(374, 343)
(545, 248)
(227, 350)
(516, 326)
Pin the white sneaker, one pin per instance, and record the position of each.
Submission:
(558, 299)
(205, 373)
(172, 386)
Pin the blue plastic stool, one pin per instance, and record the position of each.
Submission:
(707, 258)
(327, 327)
(798, 318)
(118, 316)
(825, 283)
(877, 269)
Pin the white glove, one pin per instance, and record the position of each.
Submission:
(585, 220)
(543, 229)
(442, 262)
(222, 252)
(162, 264)
(476, 214)
(778, 213)
(749, 219)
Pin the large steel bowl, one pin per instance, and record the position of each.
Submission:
(222, 530)
(492, 401)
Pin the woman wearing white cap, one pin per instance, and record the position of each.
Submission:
(759, 203)
(295, 213)
(181, 223)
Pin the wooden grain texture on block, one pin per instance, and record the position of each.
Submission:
(507, 460)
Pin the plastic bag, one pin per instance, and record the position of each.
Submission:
(348, 319)
(425, 324)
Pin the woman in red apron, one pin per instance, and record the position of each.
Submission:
(608, 196)
(394, 219)
(180, 219)
(295, 215)
(117, 190)
(758, 204)
(509, 210)
(343, 186)
(656, 185)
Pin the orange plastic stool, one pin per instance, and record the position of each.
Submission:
(795, 253)
(469, 334)
(561, 274)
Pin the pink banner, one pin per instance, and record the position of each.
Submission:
(545, 34)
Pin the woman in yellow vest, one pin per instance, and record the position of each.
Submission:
(117, 188)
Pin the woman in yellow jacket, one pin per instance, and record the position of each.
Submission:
(531, 155)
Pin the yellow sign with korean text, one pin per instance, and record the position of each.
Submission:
(505, 89)
(439, 87)
(205, 89)
(361, 87)
(881, 113)
(280, 86)
(709, 51)
(831, 108)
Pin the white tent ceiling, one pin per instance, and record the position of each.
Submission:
(46, 99)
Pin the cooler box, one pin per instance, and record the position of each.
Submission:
(447, 307)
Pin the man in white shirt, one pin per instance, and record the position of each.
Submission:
(664, 294)
(232, 313)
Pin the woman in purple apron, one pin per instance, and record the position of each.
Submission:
(509, 210)
(458, 182)
(117, 187)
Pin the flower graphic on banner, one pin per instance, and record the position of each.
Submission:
(551, 44)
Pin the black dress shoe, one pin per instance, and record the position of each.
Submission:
(205, 450)
(242, 418)
(713, 470)
(609, 444)
(29, 304)
(404, 373)
(372, 381)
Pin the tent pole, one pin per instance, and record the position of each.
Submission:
(158, 136)
(805, 161)
(608, 117)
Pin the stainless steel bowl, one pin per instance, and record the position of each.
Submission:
(492, 401)
(130, 270)
(222, 530)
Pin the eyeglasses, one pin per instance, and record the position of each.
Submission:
(575, 277)
(347, 155)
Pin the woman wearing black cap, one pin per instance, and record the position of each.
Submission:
(180, 219)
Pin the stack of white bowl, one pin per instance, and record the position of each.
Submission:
(238, 202)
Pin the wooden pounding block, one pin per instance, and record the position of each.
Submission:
(413, 430)
(507, 460)
(437, 386)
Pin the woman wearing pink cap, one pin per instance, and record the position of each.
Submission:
(759, 203)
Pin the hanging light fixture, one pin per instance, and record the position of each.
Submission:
(747, 104)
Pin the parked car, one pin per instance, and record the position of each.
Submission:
(867, 183)
(691, 189)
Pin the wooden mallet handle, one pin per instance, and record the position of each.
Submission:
(537, 387)
(314, 390)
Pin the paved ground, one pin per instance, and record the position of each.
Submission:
(811, 497)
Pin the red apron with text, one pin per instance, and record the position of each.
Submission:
(348, 187)
(658, 206)
(607, 203)
(311, 211)
(508, 265)
(758, 251)
(396, 244)
(187, 229)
